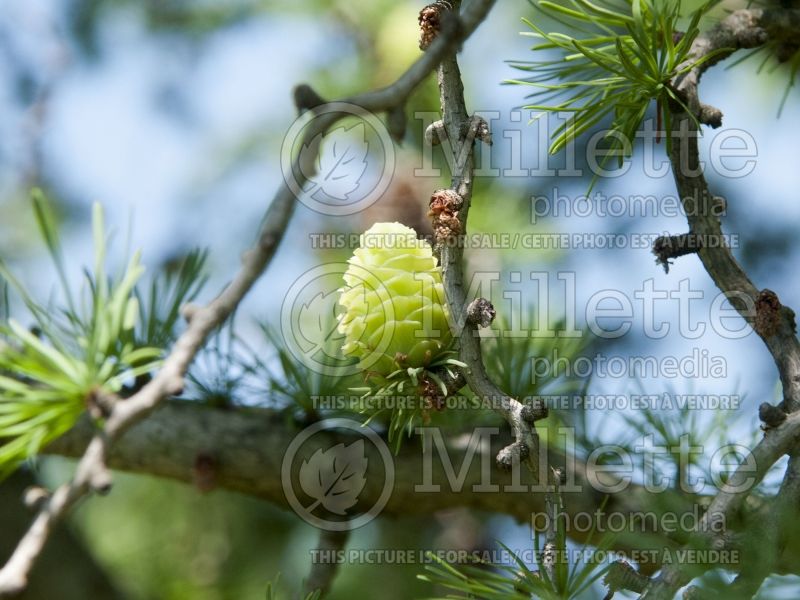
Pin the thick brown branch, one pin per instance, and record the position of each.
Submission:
(246, 448)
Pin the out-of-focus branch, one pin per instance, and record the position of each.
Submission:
(622, 576)
(323, 568)
(776, 526)
(244, 450)
(91, 473)
(776, 443)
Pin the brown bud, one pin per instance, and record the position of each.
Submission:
(768, 313)
(480, 312)
(444, 207)
(430, 22)
(771, 415)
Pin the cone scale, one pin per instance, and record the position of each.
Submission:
(393, 309)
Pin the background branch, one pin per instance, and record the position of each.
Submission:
(777, 526)
(325, 565)
(245, 450)
(772, 321)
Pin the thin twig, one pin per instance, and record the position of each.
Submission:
(450, 211)
(667, 247)
(622, 576)
(742, 29)
(745, 28)
(724, 269)
(773, 322)
(553, 508)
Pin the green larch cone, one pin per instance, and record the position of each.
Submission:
(395, 314)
